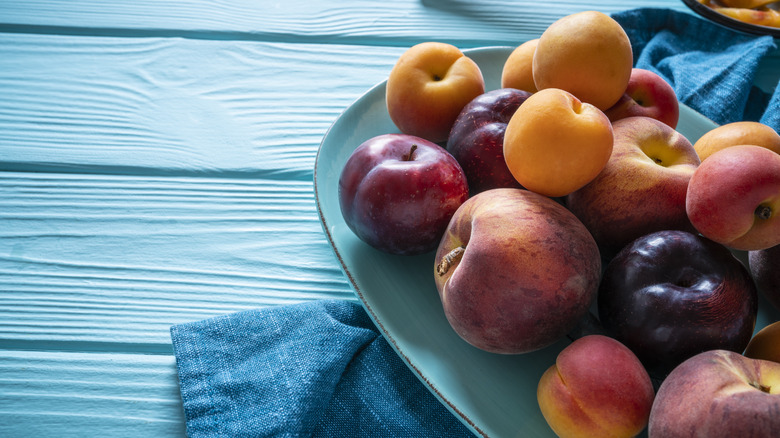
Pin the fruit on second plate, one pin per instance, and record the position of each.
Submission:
(587, 54)
(672, 294)
(648, 95)
(428, 87)
(737, 133)
(718, 394)
(642, 188)
(765, 344)
(596, 388)
(515, 271)
(554, 143)
(477, 138)
(518, 68)
(734, 197)
(397, 193)
(765, 267)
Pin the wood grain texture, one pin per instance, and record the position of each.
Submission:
(175, 106)
(118, 259)
(88, 395)
(404, 22)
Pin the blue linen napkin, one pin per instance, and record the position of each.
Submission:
(322, 368)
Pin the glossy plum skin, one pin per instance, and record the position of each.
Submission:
(477, 138)
(672, 294)
(397, 203)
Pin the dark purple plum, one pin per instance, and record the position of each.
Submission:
(672, 294)
(477, 138)
(397, 193)
(765, 268)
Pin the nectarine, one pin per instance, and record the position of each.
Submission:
(596, 388)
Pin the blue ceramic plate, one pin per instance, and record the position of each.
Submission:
(494, 395)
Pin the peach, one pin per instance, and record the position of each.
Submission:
(596, 388)
(765, 344)
(718, 394)
(737, 133)
(428, 87)
(587, 54)
(515, 271)
(649, 95)
(642, 188)
(518, 68)
(554, 143)
(733, 198)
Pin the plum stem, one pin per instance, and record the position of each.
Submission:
(450, 259)
(408, 157)
(763, 212)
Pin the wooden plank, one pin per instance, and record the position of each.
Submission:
(175, 106)
(118, 259)
(362, 22)
(92, 394)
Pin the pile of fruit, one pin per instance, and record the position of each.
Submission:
(568, 188)
(758, 12)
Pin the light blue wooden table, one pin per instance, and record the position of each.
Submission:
(156, 164)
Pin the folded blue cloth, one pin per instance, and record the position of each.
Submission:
(322, 369)
(318, 369)
(710, 67)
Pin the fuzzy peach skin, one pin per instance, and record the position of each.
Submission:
(554, 143)
(515, 271)
(596, 388)
(733, 198)
(737, 133)
(765, 344)
(518, 68)
(428, 87)
(718, 394)
(649, 95)
(642, 188)
(587, 54)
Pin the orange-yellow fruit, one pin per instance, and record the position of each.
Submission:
(587, 54)
(554, 144)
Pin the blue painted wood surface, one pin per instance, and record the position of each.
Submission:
(156, 167)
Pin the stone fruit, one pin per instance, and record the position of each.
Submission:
(765, 268)
(477, 138)
(596, 388)
(515, 271)
(554, 143)
(765, 344)
(518, 68)
(737, 133)
(397, 193)
(587, 54)
(648, 95)
(428, 87)
(642, 188)
(734, 198)
(672, 294)
(718, 394)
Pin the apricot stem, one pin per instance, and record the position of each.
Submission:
(449, 259)
(408, 157)
(763, 212)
